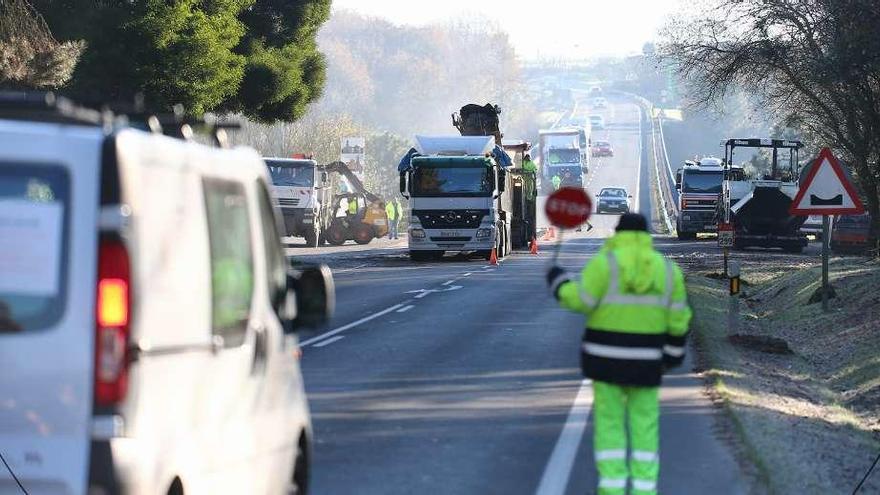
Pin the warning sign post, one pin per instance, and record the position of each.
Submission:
(826, 191)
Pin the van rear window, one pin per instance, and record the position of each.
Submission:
(33, 245)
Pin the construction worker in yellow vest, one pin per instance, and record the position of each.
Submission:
(392, 210)
(637, 314)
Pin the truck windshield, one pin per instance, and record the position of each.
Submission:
(454, 181)
(292, 175)
(563, 155)
(701, 182)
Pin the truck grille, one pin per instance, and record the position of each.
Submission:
(288, 201)
(450, 219)
(450, 239)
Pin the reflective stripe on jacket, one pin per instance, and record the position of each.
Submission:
(637, 312)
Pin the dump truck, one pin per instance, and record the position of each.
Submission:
(298, 192)
(758, 208)
(565, 153)
(699, 186)
(336, 224)
(466, 193)
(517, 201)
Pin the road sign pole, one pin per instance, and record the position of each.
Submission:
(733, 301)
(557, 248)
(826, 236)
(726, 254)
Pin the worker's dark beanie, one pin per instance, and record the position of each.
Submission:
(632, 221)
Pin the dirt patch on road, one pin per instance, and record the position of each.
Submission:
(801, 386)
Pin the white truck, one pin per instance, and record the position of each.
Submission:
(699, 185)
(452, 186)
(298, 193)
(564, 153)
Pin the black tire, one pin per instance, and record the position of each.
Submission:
(321, 239)
(794, 249)
(337, 234)
(299, 482)
(420, 255)
(686, 236)
(311, 237)
(363, 234)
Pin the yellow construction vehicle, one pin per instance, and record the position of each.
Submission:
(351, 212)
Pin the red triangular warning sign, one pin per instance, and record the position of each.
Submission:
(827, 190)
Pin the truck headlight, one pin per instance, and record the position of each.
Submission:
(417, 233)
(484, 233)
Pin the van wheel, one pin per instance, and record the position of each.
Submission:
(299, 483)
(311, 238)
(363, 234)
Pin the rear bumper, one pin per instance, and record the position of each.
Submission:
(121, 465)
(618, 207)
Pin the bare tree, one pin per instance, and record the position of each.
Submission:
(30, 57)
(814, 64)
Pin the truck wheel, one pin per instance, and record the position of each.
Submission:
(336, 234)
(363, 234)
(794, 248)
(311, 238)
(686, 236)
(420, 255)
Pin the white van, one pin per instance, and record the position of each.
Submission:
(146, 314)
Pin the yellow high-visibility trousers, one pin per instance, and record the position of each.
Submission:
(615, 407)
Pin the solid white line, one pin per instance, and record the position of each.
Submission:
(448, 282)
(351, 269)
(405, 309)
(639, 180)
(350, 325)
(328, 341)
(558, 469)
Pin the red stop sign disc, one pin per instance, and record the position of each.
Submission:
(568, 207)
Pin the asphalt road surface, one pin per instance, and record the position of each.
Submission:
(460, 377)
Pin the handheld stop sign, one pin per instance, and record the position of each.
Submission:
(568, 208)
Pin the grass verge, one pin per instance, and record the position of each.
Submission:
(808, 419)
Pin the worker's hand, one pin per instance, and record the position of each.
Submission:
(556, 276)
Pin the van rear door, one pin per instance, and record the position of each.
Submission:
(49, 195)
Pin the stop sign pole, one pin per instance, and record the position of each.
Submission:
(567, 208)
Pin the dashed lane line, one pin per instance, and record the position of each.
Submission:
(328, 341)
(350, 325)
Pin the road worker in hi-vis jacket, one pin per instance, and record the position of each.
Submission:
(637, 322)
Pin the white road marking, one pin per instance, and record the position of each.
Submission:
(448, 282)
(351, 269)
(558, 469)
(638, 197)
(405, 308)
(424, 292)
(328, 341)
(468, 274)
(350, 325)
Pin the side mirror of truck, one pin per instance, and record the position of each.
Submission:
(502, 179)
(311, 298)
(403, 191)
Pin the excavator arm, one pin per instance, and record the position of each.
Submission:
(342, 169)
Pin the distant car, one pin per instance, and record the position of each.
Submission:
(600, 102)
(597, 122)
(813, 226)
(613, 199)
(602, 148)
(852, 234)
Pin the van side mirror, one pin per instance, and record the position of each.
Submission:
(311, 298)
(502, 179)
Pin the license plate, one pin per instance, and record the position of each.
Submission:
(711, 226)
(449, 233)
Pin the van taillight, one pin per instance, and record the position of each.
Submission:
(112, 323)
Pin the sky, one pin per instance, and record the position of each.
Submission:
(571, 29)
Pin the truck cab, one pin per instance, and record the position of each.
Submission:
(699, 185)
(295, 185)
(452, 188)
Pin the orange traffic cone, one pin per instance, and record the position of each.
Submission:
(534, 248)
(493, 257)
